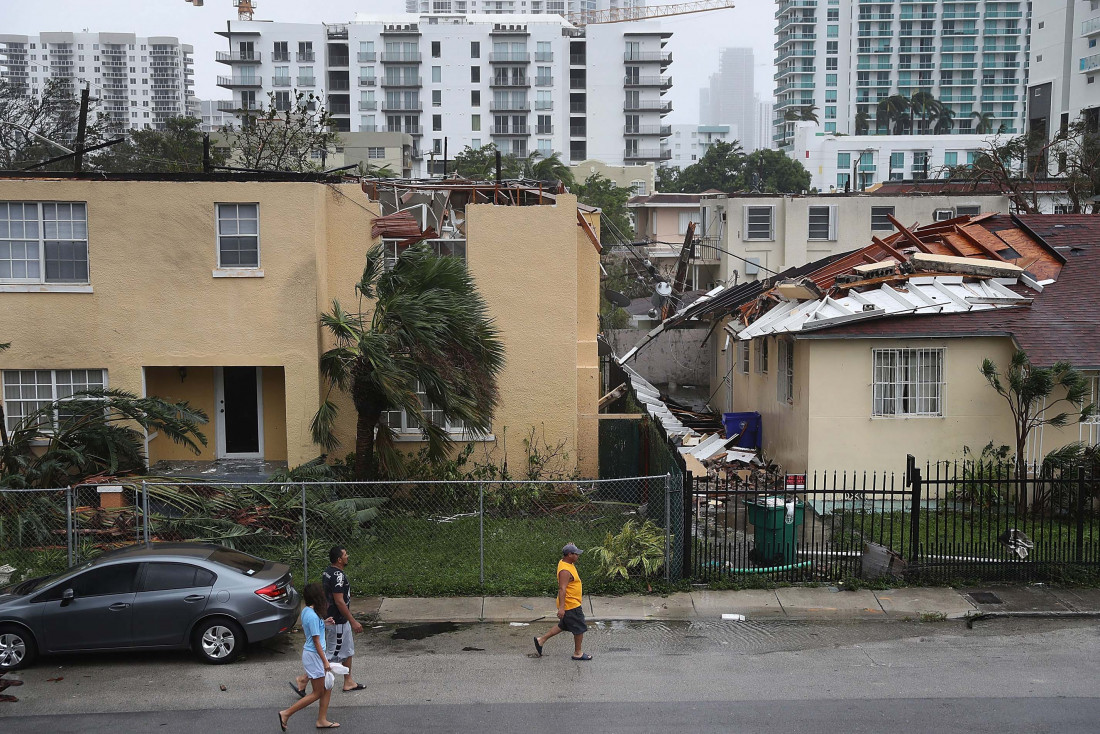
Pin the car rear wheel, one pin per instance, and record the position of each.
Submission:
(218, 641)
(17, 648)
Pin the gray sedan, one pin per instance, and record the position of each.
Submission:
(210, 598)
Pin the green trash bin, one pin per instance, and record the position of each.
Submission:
(775, 539)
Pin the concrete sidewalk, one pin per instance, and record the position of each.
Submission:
(795, 602)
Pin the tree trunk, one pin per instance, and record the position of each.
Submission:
(366, 468)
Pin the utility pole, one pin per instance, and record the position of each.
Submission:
(206, 162)
(687, 253)
(81, 130)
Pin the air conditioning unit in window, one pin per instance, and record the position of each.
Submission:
(942, 215)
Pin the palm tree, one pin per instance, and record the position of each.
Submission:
(863, 122)
(894, 109)
(924, 104)
(985, 122)
(552, 168)
(427, 332)
(945, 120)
(808, 113)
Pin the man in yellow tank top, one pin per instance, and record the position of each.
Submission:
(570, 604)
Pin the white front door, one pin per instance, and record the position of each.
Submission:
(239, 421)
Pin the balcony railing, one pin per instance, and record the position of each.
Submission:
(510, 82)
(252, 58)
(339, 85)
(660, 82)
(648, 154)
(509, 57)
(662, 130)
(239, 81)
(634, 57)
(643, 105)
(280, 81)
(576, 131)
(544, 81)
(368, 81)
(505, 106)
(544, 104)
(368, 104)
(401, 106)
(307, 81)
(401, 57)
(402, 81)
(513, 131)
(280, 56)
(339, 61)
(577, 59)
(364, 56)
(544, 130)
(306, 56)
(544, 56)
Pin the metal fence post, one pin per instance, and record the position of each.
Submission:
(914, 516)
(305, 539)
(1080, 554)
(481, 529)
(145, 507)
(69, 523)
(668, 526)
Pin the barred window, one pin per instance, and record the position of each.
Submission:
(43, 242)
(762, 356)
(907, 382)
(785, 367)
(26, 391)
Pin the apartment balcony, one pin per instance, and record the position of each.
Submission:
(955, 98)
(305, 56)
(544, 56)
(958, 83)
(508, 106)
(338, 62)
(1001, 98)
(544, 81)
(790, 20)
(1004, 14)
(878, 50)
(647, 130)
(969, 49)
(875, 16)
(410, 129)
(959, 65)
(544, 104)
(1000, 64)
(402, 106)
(224, 58)
(801, 70)
(866, 83)
(336, 32)
(1002, 32)
(788, 5)
(228, 105)
(307, 81)
(368, 104)
(1006, 48)
(510, 131)
(366, 56)
(1088, 63)
(339, 85)
(880, 33)
(417, 81)
(368, 81)
(239, 81)
(510, 82)
(792, 38)
(577, 108)
(280, 81)
(640, 57)
(807, 53)
(917, 16)
(510, 57)
(647, 154)
(950, 32)
(1001, 81)
(401, 29)
(648, 105)
(544, 130)
(657, 82)
(280, 57)
(868, 66)
(1090, 27)
(960, 14)
(577, 60)
(339, 108)
(509, 29)
(577, 131)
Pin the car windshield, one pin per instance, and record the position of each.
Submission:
(29, 586)
(238, 561)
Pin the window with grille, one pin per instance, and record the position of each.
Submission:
(376, 152)
(907, 382)
(441, 247)
(1093, 397)
(759, 223)
(785, 379)
(238, 235)
(43, 242)
(26, 391)
(879, 216)
(761, 356)
(401, 422)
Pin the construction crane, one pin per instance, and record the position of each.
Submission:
(647, 12)
(245, 8)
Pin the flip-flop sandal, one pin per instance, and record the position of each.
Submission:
(282, 724)
(358, 687)
(301, 693)
(585, 656)
(538, 647)
(333, 725)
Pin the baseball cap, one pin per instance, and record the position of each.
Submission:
(570, 548)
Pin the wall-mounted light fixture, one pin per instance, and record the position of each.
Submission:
(183, 374)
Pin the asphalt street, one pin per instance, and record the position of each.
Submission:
(1002, 676)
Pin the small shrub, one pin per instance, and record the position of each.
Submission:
(983, 476)
(636, 548)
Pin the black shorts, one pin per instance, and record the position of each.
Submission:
(573, 621)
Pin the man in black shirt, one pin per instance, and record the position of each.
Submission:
(339, 639)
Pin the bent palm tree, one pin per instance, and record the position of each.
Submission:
(429, 334)
(985, 122)
(945, 120)
(927, 106)
(863, 122)
(552, 168)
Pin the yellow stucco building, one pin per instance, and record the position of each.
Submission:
(211, 290)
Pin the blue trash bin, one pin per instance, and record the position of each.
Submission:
(748, 424)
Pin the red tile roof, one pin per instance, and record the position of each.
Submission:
(1062, 323)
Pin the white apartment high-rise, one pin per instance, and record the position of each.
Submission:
(140, 82)
(689, 143)
(1064, 70)
(764, 114)
(731, 98)
(514, 7)
(528, 83)
(844, 58)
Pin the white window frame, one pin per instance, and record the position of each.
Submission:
(236, 271)
(743, 355)
(687, 217)
(784, 383)
(748, 212)
(1093, 397)
(831, 211)
(40, 282)
(761, 355)
(902, 386)
(888, 227)
(439, 245)
(13, 417)
(408, 432)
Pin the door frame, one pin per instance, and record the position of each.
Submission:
(219, 415)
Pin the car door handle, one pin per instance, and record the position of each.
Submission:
(194, 598)
(118, 607)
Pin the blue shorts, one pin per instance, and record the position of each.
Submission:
(311, 661)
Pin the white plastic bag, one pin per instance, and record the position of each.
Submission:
(330, 680)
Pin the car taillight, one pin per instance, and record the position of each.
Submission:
(271, 592)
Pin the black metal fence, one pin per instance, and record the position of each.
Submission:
(947, 521)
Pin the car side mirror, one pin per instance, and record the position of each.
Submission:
(67, 596)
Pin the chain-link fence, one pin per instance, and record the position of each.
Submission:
(403, 538)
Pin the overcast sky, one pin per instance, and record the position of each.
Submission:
(695, 44)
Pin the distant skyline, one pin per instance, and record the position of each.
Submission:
(695, 45)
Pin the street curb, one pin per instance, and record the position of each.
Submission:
(981, 616)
